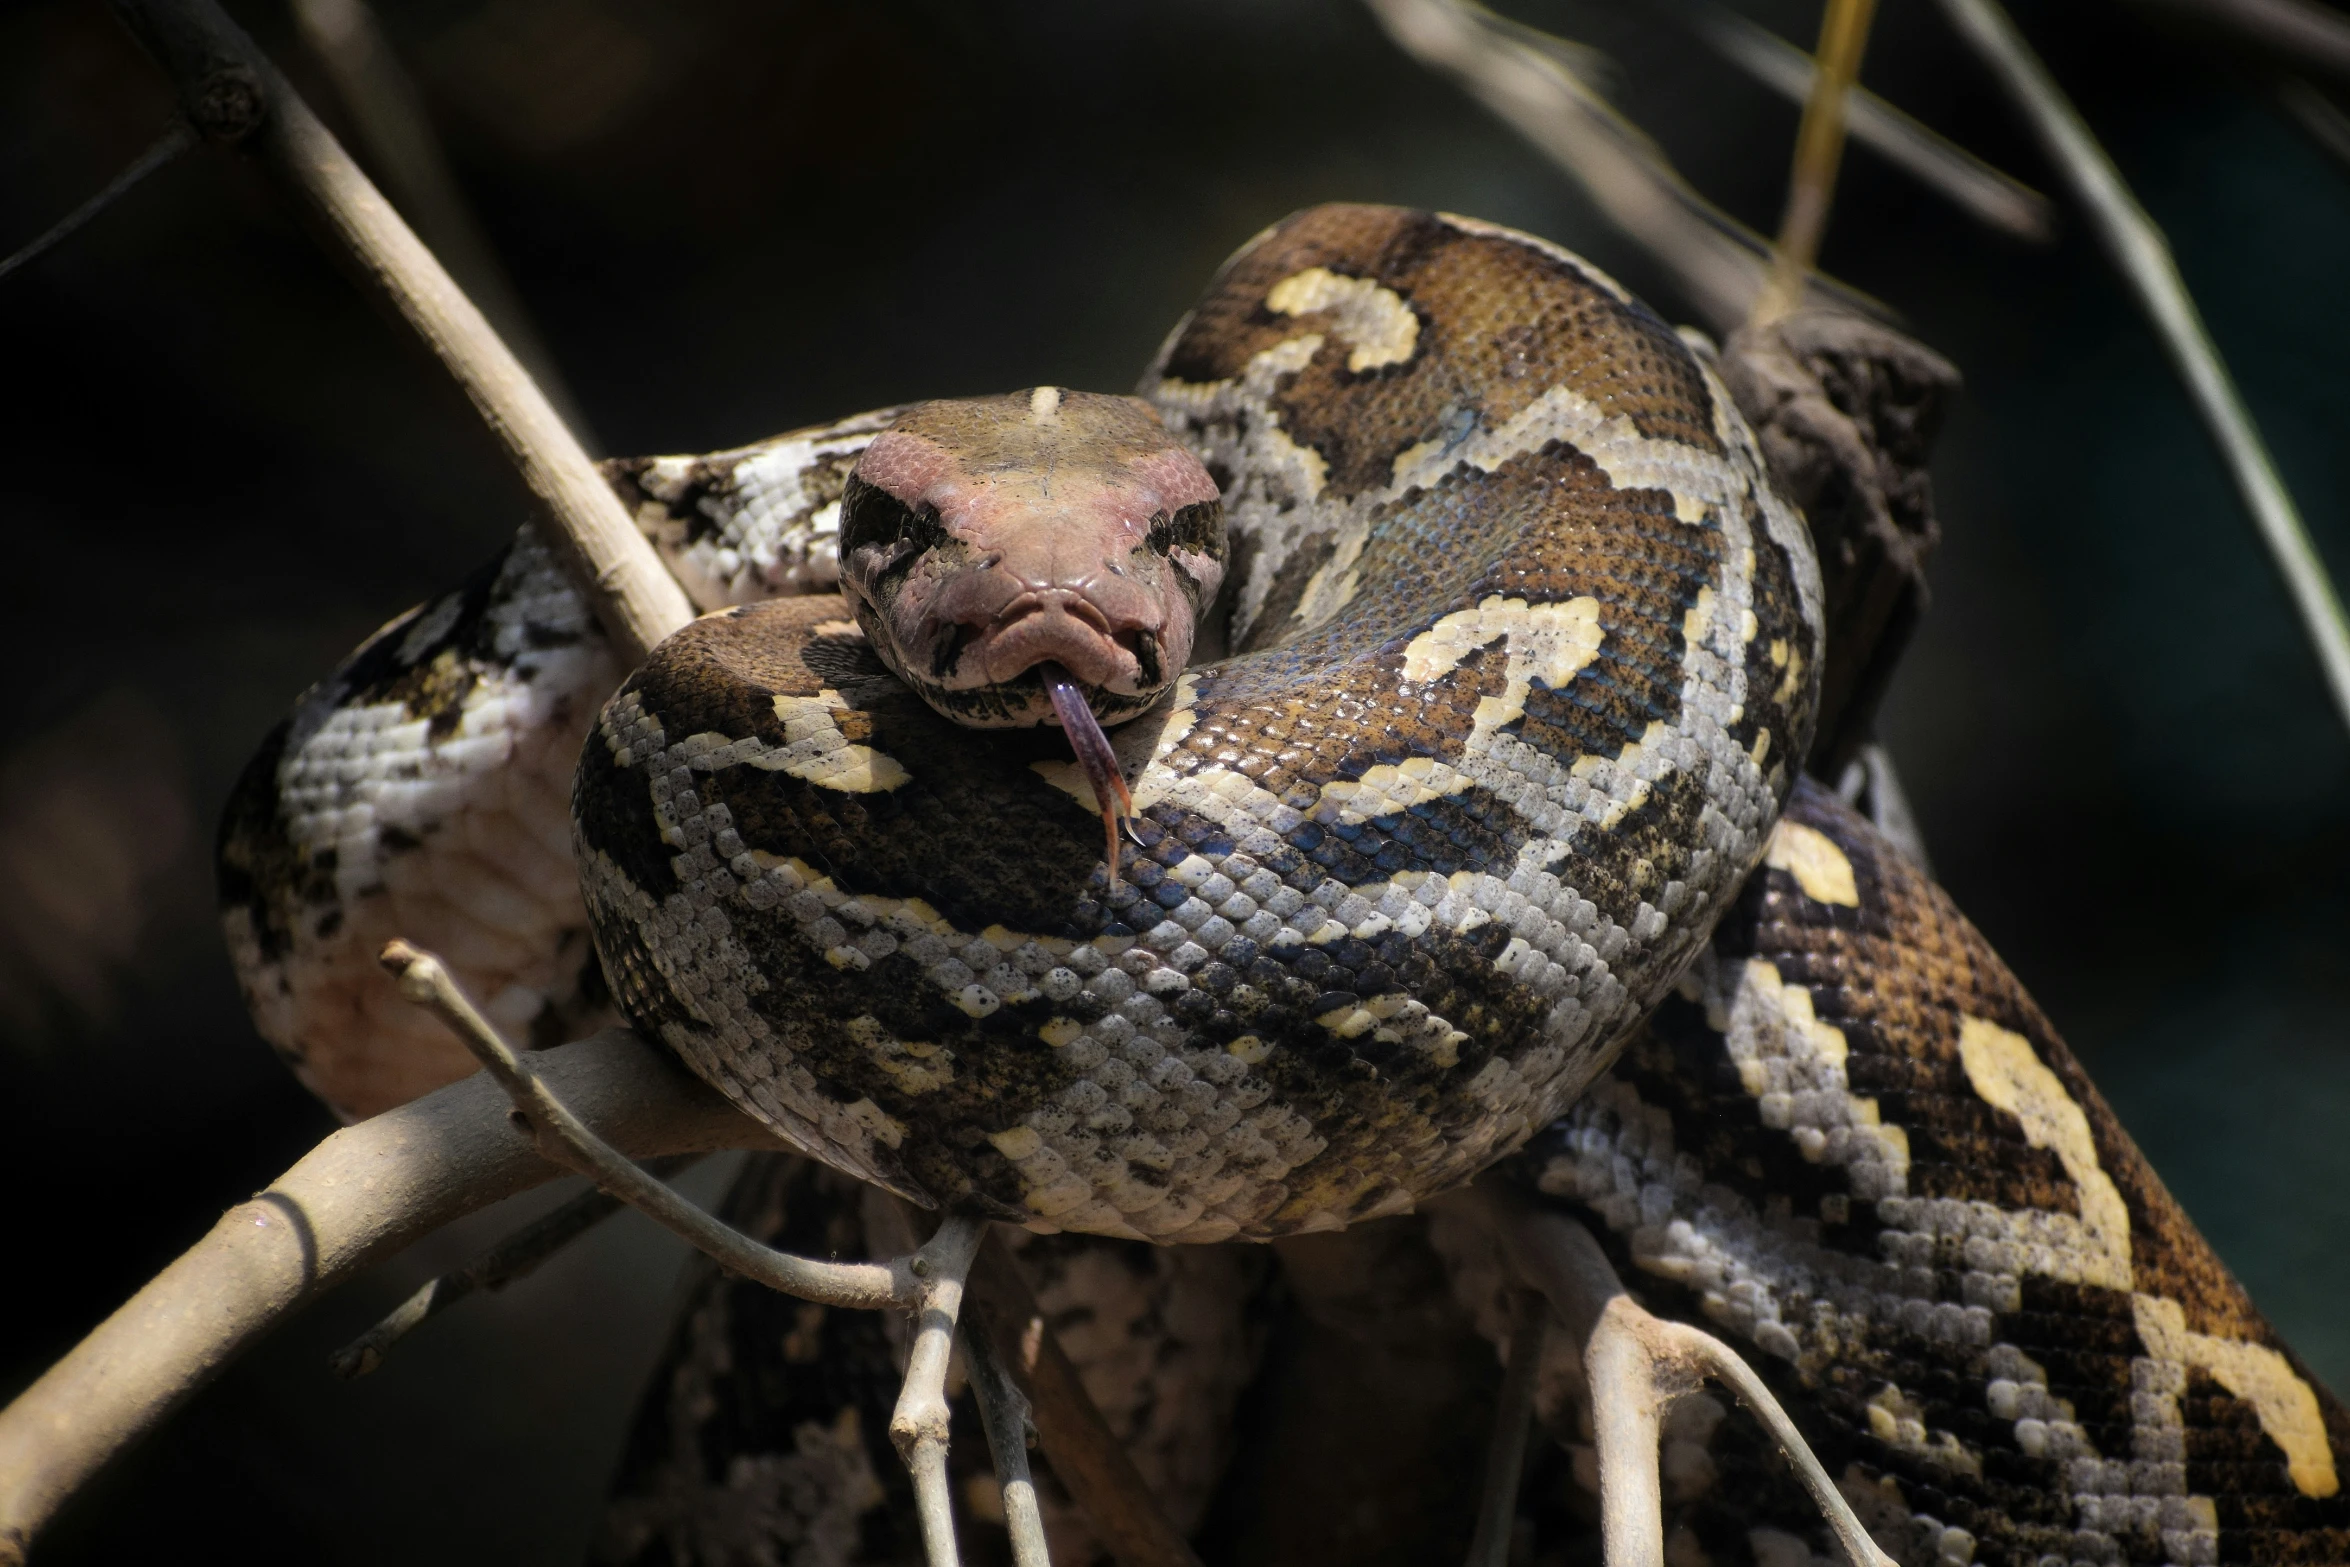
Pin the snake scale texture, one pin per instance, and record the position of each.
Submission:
(1518, 661)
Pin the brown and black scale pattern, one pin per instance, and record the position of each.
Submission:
(1896, 975)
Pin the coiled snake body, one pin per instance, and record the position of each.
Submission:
(1518, 672)
(1524, 647)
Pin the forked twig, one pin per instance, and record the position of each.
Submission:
(233, 95)
(2138, 250)
(1637, 1365)
(919, 1425)
(563, 1139)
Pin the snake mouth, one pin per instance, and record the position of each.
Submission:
(1117, 654)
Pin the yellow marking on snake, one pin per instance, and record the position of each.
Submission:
(1547, 642)
(1382, 328)
(1044, 404)
(2010, 1076)
(1817, 1051)
(2256, 1374)
(1810, 856)
(815, 749)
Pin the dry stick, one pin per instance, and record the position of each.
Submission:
(919, 1425)
(232, 94)
(930, 1283)
(1819, 148)
(2137, 248)
(515, 1257)
(1637, 1366)
(1089, 1459)
(362, 1195)
(565, 1140)
(1003, 1411)
(176, 139)
(1982, 190)
(397, 135)
(2299, 33)
(1505, 1459)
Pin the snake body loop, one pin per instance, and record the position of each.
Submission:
(1524, 650)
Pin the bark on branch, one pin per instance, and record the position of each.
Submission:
(364, 1194)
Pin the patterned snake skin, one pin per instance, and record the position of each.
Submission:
(1419, 854)
(1525, 650)
(1851, 1143)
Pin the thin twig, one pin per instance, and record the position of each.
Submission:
(2138, 250)
(1819, 149)
(362, 1195)
(397, 134)
(1087, 1456)
(1505, 1458)
(515, 1257)
(1982, 190)
(919, 1425)
(2297, 34)
(1003, 1411)
(2320, 118)
(566, 1140)
(176, 139)
(232, 94)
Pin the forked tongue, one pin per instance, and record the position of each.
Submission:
(1094, 755)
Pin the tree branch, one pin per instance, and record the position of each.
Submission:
(1005, 1413)
(565, 1139)
(232, 94)
(364, 1194)
(1637, 1365)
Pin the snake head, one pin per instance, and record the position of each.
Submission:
(985, 539)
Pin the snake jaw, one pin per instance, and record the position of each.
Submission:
(1094, 757)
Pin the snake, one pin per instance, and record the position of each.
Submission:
(1470, 831)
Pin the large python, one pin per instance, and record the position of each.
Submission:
(1523, 645)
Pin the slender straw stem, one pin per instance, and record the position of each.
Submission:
(1819, 150)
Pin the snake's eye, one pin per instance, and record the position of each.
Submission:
(896, 534)
(1192, 541)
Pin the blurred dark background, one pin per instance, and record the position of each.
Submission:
(730, 217)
